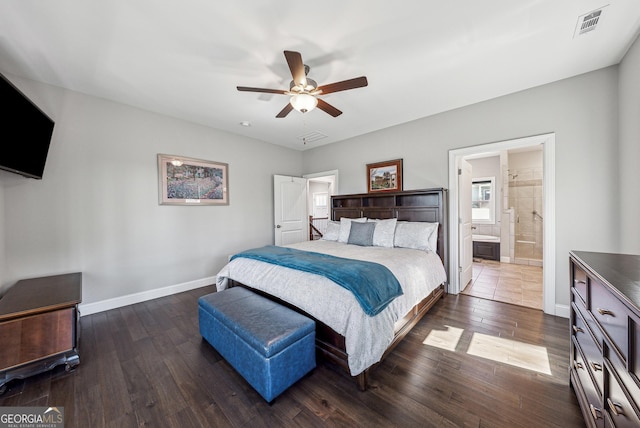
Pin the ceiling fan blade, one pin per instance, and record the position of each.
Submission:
(268, 91)
(294, 59)
(325, 106)
(358, 82)
(285, 111)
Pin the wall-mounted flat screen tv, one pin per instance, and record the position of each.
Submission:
(25, 133)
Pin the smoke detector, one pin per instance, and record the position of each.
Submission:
(589, 21)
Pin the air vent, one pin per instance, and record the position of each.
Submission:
(311, 137)
(589, 22)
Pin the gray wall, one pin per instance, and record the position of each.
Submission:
(586, 155)
(629, 171)
(96, 209)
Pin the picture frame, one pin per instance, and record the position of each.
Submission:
(190, 181)
(384, 176)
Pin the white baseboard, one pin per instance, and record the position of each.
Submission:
(143, 296)
(562, 311)
(505, 259)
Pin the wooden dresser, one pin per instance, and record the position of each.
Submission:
(605, 337)
(39, 326)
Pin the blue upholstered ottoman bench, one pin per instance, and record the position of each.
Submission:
(270, 345)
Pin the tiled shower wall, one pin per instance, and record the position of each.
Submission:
(525, 197)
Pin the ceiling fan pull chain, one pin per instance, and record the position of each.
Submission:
(304, 130)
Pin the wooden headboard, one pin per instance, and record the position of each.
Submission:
(428, 205)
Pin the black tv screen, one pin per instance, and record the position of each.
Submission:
(25, 133)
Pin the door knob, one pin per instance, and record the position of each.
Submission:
(278, 226)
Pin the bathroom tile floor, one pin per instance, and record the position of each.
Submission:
(505, 282)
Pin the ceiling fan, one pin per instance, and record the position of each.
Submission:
(304, 91)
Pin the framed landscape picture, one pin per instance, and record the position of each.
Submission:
(188, 181)
(384, 176)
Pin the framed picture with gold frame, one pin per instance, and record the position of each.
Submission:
(384, 176)
(189, 181)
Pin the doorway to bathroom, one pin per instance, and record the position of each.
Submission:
(512, 194)
(507, 202)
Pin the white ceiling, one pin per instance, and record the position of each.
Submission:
(421, 57)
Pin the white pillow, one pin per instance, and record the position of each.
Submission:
(433, 238)
(333, 231)
(384, 232)
(345, 227)
(417, 235)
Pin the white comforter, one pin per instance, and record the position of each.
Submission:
(366, 337)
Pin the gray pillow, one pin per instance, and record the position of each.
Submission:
(345, 227)
(361, 234)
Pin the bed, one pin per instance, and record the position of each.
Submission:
(415, 221)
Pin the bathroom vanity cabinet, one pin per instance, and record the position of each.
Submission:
(486, 250)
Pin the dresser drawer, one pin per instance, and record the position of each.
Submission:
(622, 412)
(593, 409)
(579, 282)
(625, 378)
(634, 353)
(591, 353)
(611, 314)
(593, 328)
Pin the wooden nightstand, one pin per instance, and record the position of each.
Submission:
(39, 326)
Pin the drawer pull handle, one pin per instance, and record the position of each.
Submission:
(577, 329)
(605, 312)
(579, 281)
(595, 412)
(577, 365)
(596, 367)
(616, 408)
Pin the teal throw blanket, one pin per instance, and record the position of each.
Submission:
(373, 285)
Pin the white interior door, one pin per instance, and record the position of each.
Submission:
(290, 209)
(465, 233)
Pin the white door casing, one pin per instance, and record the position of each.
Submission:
(290, 210)
(465, 232)
(550, 305)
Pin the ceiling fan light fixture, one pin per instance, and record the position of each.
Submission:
(303, 102)
(303, 91)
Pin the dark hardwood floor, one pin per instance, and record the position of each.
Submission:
(146, 365)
